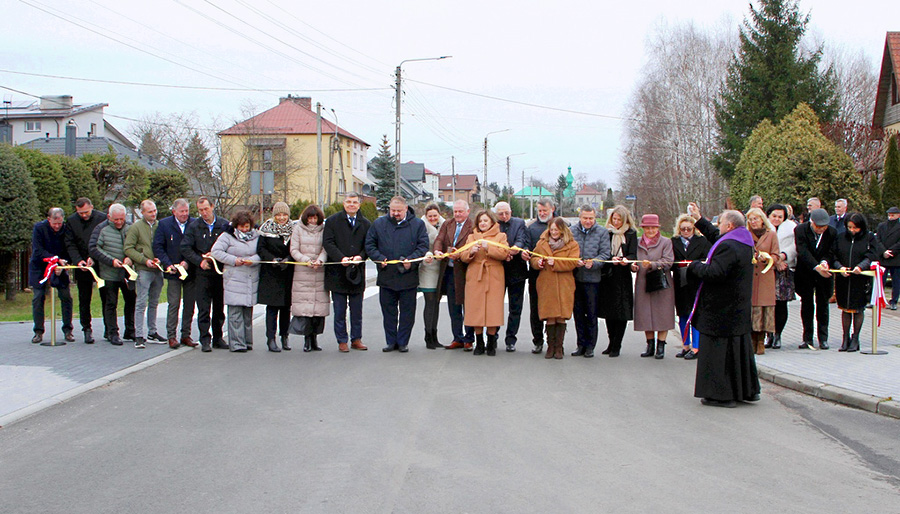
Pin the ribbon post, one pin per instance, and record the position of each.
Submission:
(878, 303)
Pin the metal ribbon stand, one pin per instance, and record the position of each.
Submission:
(874, 350)
(52, 319)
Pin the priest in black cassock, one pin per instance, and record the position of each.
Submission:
(726, 366)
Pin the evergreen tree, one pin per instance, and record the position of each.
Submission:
(50, 184)
(18, 212)
(81, 182)
(890, 196)
(383, 171)
(165, 187)
(610, 200)
(559, 194)
(119, 179)
(793, 161)
(875, 195)
(768, 78)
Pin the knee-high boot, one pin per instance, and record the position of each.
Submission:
(479, 344)
(551, 341)
(560, 337)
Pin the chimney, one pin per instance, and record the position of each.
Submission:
(71, 132)
(56, 102)
(302, 101)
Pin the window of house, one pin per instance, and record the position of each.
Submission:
(93, 129)
(32, 126)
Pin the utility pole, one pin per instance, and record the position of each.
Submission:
(485, 182)
(453, 175)
(319, 178)
(335, 146)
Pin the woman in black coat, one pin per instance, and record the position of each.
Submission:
(688, 244)
(617, 292)
(853, 251)
(275, 280)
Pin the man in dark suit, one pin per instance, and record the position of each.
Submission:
(840, 216)
(344, 240)
(199, 237)
(515, 269)
(79, 228)
(48, 241)
(726, 366)
(167, 248)
(888, 240)
(813, 282)
(452, 235)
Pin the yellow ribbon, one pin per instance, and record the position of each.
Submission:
(869, 273)
(182, 273)
(100, 282)
(132, 275)
(766, 257)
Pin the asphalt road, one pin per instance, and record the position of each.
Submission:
(440, 431)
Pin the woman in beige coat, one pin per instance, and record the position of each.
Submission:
(309, 299)
(766, 239)
(556, 282)
(485, 281)
(654, 312)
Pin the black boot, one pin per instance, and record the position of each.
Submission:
(660, 349)
(88, 337)
(270, 342)
(854, 343)
(285, 345)
(845, 341)
(579, 351)
(314, 344)
(608, 349)
(769, 338)
(428, 344)
(776, 341)
(492, 344)
(651, 347)
(434, 339)
(307, 343)
(479, 344)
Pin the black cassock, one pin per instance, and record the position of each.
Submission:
(726, 365)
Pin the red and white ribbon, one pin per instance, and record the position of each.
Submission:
(52, 263)
(878, 299)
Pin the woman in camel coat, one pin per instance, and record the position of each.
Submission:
(485, 281)
(654, 313)
(766, 239)
(556, 282)
(309, 299)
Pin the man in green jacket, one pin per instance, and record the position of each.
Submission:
(107, 247)
(139, 248)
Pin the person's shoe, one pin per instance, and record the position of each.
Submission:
(607, 351)
(454, 345)
(823, 345)
(768, 341)
(893, 306)
(314, 344)
(467, 347)
(69, 337)
(205, 347)
(589, 353)
(38, 337)
(651, 348)
(682, 353)
(510, 347)
(690, 355)
(285, 343)
(128, 336)
(709, 402)
(88, 337)
(579, 351)
(155, 338)
(249, 347)
(845, 343)
(776, 342)
(357, 344)
(538, 348)
(660, 349)
(270, 342)
(491, 348)
(173, 343)
(220, 345)
(343, 348)
(854, 343)
(434, 339)
(307, 343)
(389, 348)
(403, 349)
(754, 398)
(139, 343)
(114, 340)
(187, 341)
(806, 345)
(613, 353)
(242, 349)
(479, 344)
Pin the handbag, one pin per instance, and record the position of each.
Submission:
(656, 280)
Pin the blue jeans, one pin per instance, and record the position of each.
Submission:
(460, 333)
(37, 307)
(399, 311)
(693, 339)
(340, 302)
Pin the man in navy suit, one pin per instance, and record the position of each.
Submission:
(47, 241)
(167, 248)
(515, 269)
(838, 221)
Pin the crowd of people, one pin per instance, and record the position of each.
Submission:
(728, 283)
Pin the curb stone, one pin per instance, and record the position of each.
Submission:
(867, 402)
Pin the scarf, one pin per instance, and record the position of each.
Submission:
(244, 236)
(272, 229)
(555, 244)
(650, 241)
(758, 233)
(618, 237)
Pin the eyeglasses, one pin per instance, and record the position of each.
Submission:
(687, 229)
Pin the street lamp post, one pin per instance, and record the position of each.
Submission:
(397, 93)
(485, 182)
(508, 181)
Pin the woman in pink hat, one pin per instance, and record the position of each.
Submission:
(654, 296)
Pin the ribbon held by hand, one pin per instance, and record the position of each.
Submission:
(52, 264)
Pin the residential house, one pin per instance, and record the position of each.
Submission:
(283, 139)
(467, 187)
(48, 118)
(887, 100)
(432, 183)
(587, 195)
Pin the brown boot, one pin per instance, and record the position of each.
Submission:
(551, 341)
(560, 337)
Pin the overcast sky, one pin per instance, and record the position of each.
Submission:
(578, 56)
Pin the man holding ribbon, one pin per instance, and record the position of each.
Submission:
(726, 366)
(79, 227)
(107, 247)
(167, 248)
(452, 277)
(139, 248)
(48, 251)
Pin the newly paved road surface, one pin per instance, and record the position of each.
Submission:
(440, 431)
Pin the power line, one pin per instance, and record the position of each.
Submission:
(203, 88)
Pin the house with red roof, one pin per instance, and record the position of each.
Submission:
(459, 187)
(887, 100)
(588, 195)
(283, 140)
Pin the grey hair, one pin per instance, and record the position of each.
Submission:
(117, 208)
(841, 200)
(498, 205)
(734, 218)
(351, 194)
(587, 208)
(399, 199)
(546, 202)
(180, 202)
(56, 212)
(462, 202)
